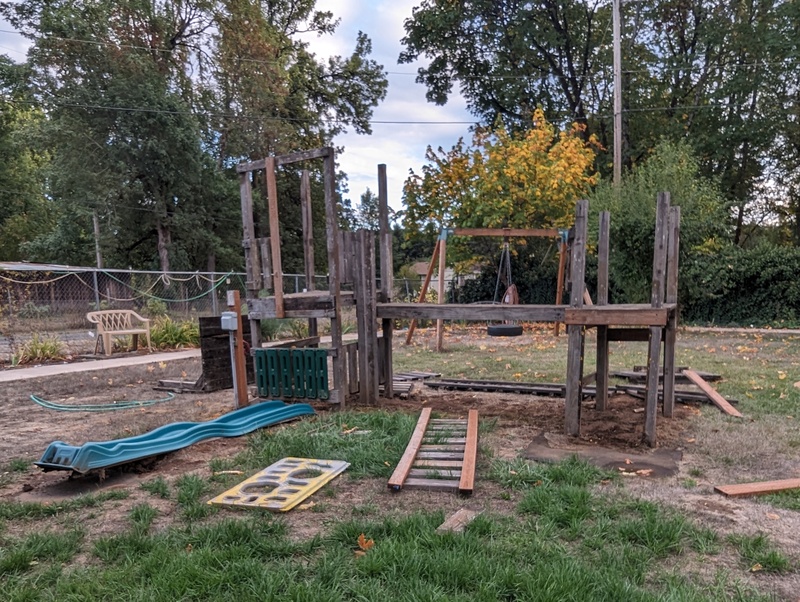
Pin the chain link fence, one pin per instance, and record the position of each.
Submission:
(52, 300)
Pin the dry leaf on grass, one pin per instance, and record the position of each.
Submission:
(364, 543)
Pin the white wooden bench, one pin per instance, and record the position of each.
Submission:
(118, 322)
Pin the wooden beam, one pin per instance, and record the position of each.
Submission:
(573, 397)
(602, 361)
(657, 301)
(441, 292)
(562, 266)
(315, 153)
(467, 481)
(457, 522)
(616, 315)
(275, 236)
(717, 399)
(504, 232)
(478, 313)
(387, 280)
(424, 290)
(308, 240)
(761, 488)
(407, 460)
(242, 397)
(673, 248)
(334, 276)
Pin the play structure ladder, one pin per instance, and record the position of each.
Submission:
(440, 455)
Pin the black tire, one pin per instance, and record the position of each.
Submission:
(504, 330)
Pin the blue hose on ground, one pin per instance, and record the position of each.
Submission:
(99, 407)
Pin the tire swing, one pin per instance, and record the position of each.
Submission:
(510, 297)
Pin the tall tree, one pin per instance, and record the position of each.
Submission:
(715, 73)
(25, 211)
(150, 104)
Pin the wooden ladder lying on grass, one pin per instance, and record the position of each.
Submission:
(440, 456)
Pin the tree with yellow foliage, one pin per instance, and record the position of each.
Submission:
(529, 179)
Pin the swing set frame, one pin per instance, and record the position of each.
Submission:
(440, 253)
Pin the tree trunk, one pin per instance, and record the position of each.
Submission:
(164, 241)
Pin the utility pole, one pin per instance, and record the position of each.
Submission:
(617, 94)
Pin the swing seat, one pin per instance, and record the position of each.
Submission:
(504, 330)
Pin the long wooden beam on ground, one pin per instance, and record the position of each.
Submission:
(407, 460)
(762, 488)
(424, 290)
(467, 482)
(712, 394)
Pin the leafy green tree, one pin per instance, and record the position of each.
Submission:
(705, 221)
(720, 75)
(25, 211)
(151, 104)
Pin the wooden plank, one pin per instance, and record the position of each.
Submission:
(616, 315)
(449, 441)
(297, 343)
(602, 361)
(717, 399)
(467, 481)
(387, 280)
(351, 350)
(651, 391)
(477, 313)
(441, 291)
(407, 460)
(562, 266)
(760, 488)
(457, 522)
(431, 484)
(275, 237)
(266, 263)
(334, 277)
(362, 310)
(657, 301)
(433, 447)
(436, 455)
(317, 153)
(671, 335)
(373, 360)
(324, 152)
(308, 240)
(423, 291)
(242, 396)
(573, 397)
(249, 236)
(434, 473)
(504, 232)
(439, 463)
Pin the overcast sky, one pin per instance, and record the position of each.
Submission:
(401, 146)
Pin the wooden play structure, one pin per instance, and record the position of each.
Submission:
(363, 369)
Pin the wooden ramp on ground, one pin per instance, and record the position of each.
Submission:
(440, 455)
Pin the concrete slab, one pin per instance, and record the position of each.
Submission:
(16, 374)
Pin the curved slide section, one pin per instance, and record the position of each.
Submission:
(167, 438)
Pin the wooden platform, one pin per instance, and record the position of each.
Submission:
(618, 315)
(440, 455)
(311, 304)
